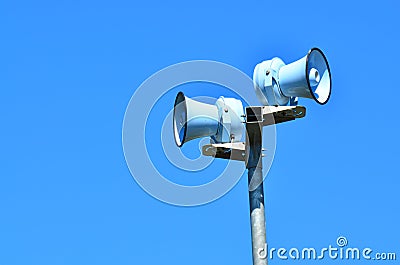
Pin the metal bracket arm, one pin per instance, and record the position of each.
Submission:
(279, 114)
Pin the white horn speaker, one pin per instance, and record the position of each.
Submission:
(193, 119)
(308, 77)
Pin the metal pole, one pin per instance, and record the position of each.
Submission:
(254, 125)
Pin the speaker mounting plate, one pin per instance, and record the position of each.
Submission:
(278, 114)
(232, 151)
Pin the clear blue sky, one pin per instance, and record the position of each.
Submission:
(68, 70)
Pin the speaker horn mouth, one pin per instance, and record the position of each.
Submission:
(317, 66)
(180, 119)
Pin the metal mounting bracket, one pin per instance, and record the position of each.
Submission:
(282, 114)
(271, 115)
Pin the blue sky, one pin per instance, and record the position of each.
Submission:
(68, 70)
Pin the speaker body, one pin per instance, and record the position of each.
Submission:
(193, 119)
(278, 84)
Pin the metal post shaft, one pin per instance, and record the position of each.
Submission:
(255, 181)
